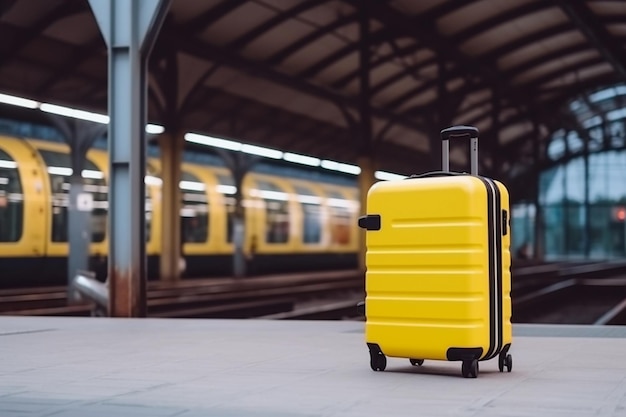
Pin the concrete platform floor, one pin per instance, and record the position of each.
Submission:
(92, 367)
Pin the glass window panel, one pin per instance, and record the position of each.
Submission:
(617, 132)
(554, 237)
(11, 200)
(276, 212)
(598, 173)
(227, 187)
(574, 142)
(616, 176)
(59, 171)
(556, 148)
(312, 216)
(575, 236)
(575, 181)
(522, 226)
(551, 185)
(339, 218)
(600, 239)
(194, 211)
(596, 136)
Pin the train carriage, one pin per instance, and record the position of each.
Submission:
(292, 223)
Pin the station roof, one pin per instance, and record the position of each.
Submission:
(285, 74)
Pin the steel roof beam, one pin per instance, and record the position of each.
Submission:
(290, 49)
(243, 40)
(487, 73)
(201, 22)
(71, 65)
(530, 86)
(6, 5)
(426, 34)
(582, 89)
(493, 21)
(397, 53)
(588, 23)
(38, 27)
(493, 55)
(214, 53)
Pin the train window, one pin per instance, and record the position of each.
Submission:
(227, 187)
(194, 213)
(150, 179)
(60, 171)
(276, 212)
(311, 218)
(339, 219)
(11, 200)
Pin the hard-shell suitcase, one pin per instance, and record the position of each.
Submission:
(438, 277)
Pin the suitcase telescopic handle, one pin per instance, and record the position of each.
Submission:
(459, 132)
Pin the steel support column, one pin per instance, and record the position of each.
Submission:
(129, 29)
(172, 146)
(366, 157)
(588, 230)
(539, 226)
(366, 180)
(240, 164)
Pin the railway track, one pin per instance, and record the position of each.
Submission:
(553, 292)
(576, 300)
(579, 293)
(212, 297)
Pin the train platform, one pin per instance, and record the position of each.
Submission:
(81, 366)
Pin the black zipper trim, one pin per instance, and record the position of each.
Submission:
(498, 244)
(495, 265)
(492, 272)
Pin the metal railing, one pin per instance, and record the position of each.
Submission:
(93, 290)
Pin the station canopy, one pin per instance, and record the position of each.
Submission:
(289, 74)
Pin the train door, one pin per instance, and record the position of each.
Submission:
(57, 163)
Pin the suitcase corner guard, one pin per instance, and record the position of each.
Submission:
(370, 222)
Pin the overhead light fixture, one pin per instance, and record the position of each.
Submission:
(388, 176)
(154, 129)
(18, 101)
(341, 167)
(301, 159)
(213, 141)
(199, 139)
(260, 151)
(77, 114)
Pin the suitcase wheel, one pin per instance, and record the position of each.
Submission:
(378, 361)
(469, 369)
(505, 361)
(416, 362)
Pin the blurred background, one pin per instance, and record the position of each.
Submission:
(266, 122)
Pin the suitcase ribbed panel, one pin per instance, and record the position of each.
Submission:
(427, 276)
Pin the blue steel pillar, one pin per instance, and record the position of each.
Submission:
(366, 147)
(129, 29)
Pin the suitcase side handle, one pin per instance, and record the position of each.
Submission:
(463, 132)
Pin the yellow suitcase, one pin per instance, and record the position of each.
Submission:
(438, 277)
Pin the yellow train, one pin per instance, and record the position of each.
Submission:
(294, 220)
